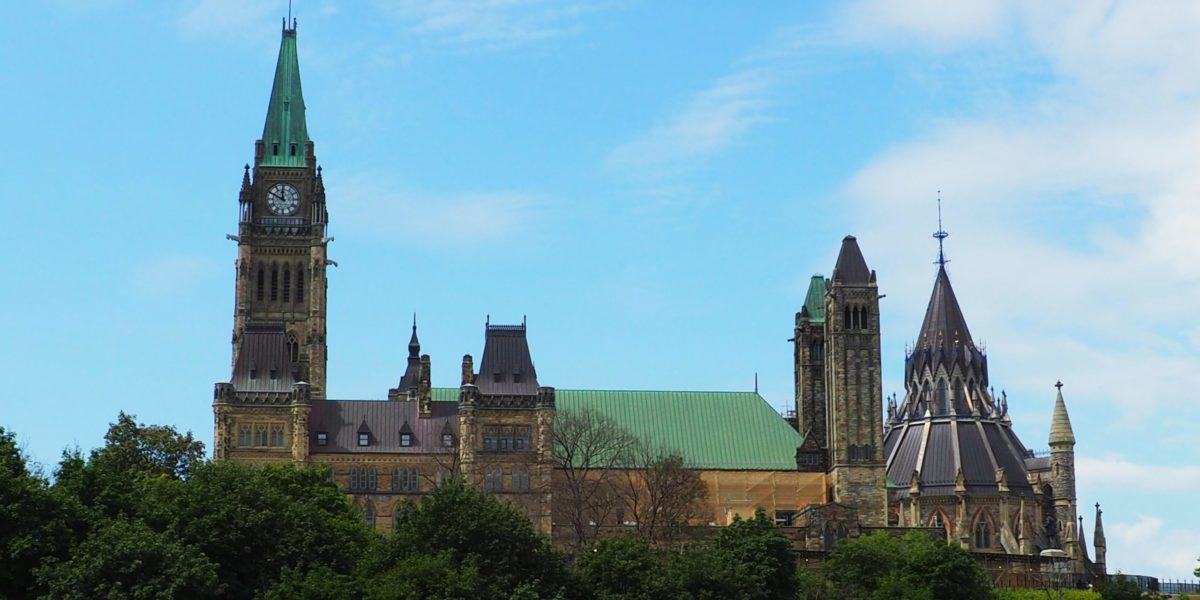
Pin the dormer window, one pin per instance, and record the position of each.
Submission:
(406, 440)
(274, 374)
(364, 438)
(412, 394)
(496, 377)
(253, 373)
(322, 439)
(292, 149)
(274, 148)
(447, 440)
(517, 377)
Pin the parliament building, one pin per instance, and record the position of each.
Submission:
(944, 458)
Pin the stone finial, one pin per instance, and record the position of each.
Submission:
(468, 370)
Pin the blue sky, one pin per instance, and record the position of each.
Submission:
(651, 183)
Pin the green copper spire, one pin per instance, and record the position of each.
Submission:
(285, 134)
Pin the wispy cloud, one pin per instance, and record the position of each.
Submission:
(370, 205)
(494, 24)
(171, 275)
(1074, 218)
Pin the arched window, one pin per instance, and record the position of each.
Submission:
(293, 348)
(274, 283)
(287, 283)
(846, 318)
(369, 515)
(300, 283)
(406, 480)
(259, 285)
(276, 436)
(983, 532)
(493, 481)
(364, 479)
(943, 398)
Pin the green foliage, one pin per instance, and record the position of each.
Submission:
(471, 536)
(127, 559)
(915, 566)
(1119, 587)
(624, 568)
(1031, 594)
(318, 583)
(757, 557)
(31, 524)
(254, 522)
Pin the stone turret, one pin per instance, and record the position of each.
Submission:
(1098, 540)
(1062, 476)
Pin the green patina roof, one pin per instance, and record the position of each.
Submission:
(285, 114)
(814, 301)
(712, 430)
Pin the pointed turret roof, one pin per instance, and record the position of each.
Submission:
(1098, 535)
(944, 321)
(285, 134)
(851, 267)
(412, 373)
(814, 300)
(414, 344)
(1060, 423)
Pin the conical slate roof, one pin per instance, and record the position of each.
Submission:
(1060, 423)
(944, 322)
(851, 267)
(285, 133)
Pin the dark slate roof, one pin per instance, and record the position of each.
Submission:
(263, 351)
(814, 300)
(851, 267)
(341, 420)
(944, 322)
(976, 446)
(506, 368)
(412, 373)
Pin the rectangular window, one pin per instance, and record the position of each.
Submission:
(364, 439)
(274, 284)
(259, 286)
(506, 439)
(299, 285)
(287, 284)
(447, 440)
(322, 439)
(260, 435)
(406, 439)
(244, 436)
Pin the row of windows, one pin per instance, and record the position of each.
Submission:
(276, 291)
(855, 317)
(983, 529)
(863, 452)
(407, 440)
(260, 435)
(366, 479)
(506, 439)
(493, 480)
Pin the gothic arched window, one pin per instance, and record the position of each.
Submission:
(260, 285)
(274, 283)
(300, 283)
(287, 283)
(983, 532)
(369, 515)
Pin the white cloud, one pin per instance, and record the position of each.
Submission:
(929, 22)
(1146, 547)
(494, 24)
(171, 275)
(1122, 474)
(714, 119)
(370, 205)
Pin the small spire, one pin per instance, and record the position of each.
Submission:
(414, 345)
(1060, 423)
(940, 235)
(1098, 535)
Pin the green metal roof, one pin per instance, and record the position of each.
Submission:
(814, 301)
(285, 134)
(711, 430)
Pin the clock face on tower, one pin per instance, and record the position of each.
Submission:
(283, 199)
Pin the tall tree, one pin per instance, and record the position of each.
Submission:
(31, 524)
(661, 492)
(880, 566)
(462, 530)
(589, 449)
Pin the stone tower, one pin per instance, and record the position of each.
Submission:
(809, 360)
(854, 388)
(1062, 477)
(279, 351)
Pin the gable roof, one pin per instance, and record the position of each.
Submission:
(711, 430)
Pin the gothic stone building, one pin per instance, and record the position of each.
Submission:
(947, 457)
